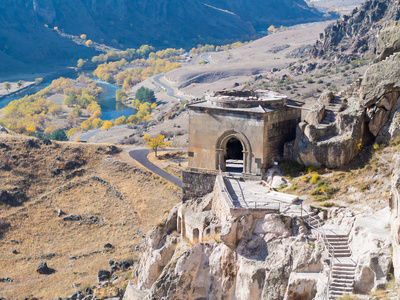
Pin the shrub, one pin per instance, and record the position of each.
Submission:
(314, 178)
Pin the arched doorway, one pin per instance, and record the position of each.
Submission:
(233, 153)
(233, 158)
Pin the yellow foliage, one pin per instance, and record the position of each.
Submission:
(78, 140)
(89, 43)
(107, 125)
(154, 143)
(314, 178)
(154, 105)
(83, 36)
(72, 131)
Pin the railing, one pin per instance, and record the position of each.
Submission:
(225, 189)
(321, 233)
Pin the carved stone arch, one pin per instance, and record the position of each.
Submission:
(220, 149)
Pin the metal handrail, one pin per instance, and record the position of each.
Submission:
(321, 232)
(225, 189)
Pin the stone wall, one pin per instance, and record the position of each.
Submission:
(196, 184)
(280, 128)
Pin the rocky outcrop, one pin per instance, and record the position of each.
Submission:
(369, 112)
(370, 243)
(250, 257)
(356, 33)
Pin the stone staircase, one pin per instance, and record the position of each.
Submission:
(332, 110)
(343, 267)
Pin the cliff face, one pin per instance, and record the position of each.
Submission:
(356, 33)
(368, 110)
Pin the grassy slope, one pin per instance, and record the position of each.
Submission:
(36, 230)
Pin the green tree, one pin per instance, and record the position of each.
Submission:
(20, 83)
(7, 86)
(154, 143)
(70, 100)
(58, 135)
(145, 95)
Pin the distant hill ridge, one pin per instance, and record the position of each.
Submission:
(24, 39)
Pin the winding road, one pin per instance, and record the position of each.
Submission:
(140, 155)
(170, 91)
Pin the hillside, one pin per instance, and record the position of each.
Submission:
(42, 188)
(355, 35)
(28, 38)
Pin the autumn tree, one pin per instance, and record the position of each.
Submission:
(70, 100)
(120, 121)
(89, 43)
(120, 95)
(154, 143)
(81, 62)
(38, 81)
(83, 36)
(7, 86)
(107, 125)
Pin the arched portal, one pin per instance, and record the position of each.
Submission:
(233, 153)
(233, 158)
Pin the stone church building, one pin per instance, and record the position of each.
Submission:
(239, 132)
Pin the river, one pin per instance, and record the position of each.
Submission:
(110, 107)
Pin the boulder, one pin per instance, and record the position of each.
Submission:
(326, 98)
(103, 275)
(43, 268)
(315, 116)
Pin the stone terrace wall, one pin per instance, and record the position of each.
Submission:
(196, 184)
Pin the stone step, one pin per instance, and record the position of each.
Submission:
(336, 236)
(343, 274)
(343, 268)
(342, 280)
(341, 289)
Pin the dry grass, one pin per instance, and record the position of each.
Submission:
(37, 231)
(366, 180)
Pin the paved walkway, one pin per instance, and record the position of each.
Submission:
(140, 156)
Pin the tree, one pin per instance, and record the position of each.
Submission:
(106, 125)
(120, 95)
(72, 131)
(58, 135)
(132, 119)
(120, 121)
(97, 122)
(81, 62)
(154, 143)
(55, 110)
(70, 100)
(20, 83)
(7, 86)
(89, 43)
(145, 95)
(86, 125)
(83, 36)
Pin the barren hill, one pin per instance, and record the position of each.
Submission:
(62, 203)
